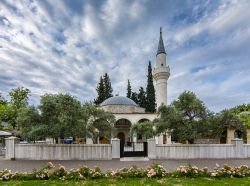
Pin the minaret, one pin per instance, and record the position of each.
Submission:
(161, 74)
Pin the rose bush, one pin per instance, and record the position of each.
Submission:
(51, 172)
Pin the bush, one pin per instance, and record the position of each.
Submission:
(50, 172)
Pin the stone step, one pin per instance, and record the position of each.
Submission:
(134, 159)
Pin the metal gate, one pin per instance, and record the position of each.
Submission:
(134, 149)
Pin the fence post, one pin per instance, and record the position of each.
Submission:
(115, 148)
(10, 147)
(151, 148)
(239, 151)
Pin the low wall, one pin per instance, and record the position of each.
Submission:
(15, 150)
(199, 151)
(63, 152)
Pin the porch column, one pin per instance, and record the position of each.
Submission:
(230, 135)
(248, 135)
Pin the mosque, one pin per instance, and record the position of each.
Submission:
(127, 112)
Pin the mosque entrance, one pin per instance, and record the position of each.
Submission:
(128, 148)
(121, 136)
(134, 149)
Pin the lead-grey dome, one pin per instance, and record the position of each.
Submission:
(118, 100)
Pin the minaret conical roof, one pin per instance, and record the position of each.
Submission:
(161, 48)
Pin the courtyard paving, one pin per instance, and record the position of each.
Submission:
(29, 165)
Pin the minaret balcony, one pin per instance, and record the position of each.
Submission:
(161, 73)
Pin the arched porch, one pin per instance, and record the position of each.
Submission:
(122, 130)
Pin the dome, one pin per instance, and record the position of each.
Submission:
(118, 100)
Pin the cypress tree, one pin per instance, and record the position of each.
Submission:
(107, 86)
(150, 91)
(134, 97)
(142, 98)
(129, 91)
(100, 92)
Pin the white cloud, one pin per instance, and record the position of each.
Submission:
(50, 48)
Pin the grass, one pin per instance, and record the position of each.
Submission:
(135, 181)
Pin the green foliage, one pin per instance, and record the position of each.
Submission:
(60, 116)
(134, 97)
(99, 124)
(19, 97)
(185, 118)
(2, 100)
(107, 86)
(28, 119)
(8, 114)
(50, 172)
(146, 129)
(168, 118)
(240, 108)
(129, 90)
(63, 115)
(221, 121)
(142, 101)
(245, 118)
(104, 89)
(150, 91)
(100, 92)
(243, 113)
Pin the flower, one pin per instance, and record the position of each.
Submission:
(213, 174)
(151, 173)
(50, 165)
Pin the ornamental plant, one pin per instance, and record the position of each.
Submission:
(50, 172)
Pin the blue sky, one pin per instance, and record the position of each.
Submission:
(64, 46)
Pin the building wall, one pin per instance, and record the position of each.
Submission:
(134, 118)
(123, 109)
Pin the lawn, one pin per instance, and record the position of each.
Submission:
(136, 181)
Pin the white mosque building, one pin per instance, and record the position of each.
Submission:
(127, 112)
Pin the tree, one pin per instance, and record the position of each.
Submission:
(107, 86)
(100, 92)
(245, 118)
(185, 118)
(19, 97)
(2, 100)
(146, 129)
(142, 98)
(223, 120)
(240, 108)
(100, 123)
(243, 113)
(150, 91)
(129, 90)
(8, 114)
(168, 118)
(28, 119)
(134, 97)
(63, 116)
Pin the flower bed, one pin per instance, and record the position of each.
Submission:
(50, 172)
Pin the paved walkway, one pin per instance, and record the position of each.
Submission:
(28, 165)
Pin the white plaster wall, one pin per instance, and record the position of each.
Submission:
(161, 92)
(123, 109)
(200, 151)
(161, 74)
(134, 118)
(161, 60)
(247, 150)
(63, 151)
